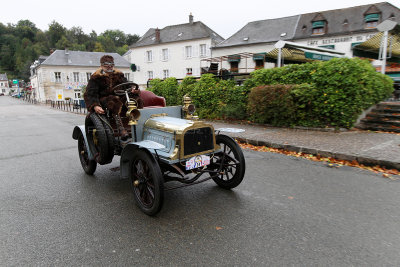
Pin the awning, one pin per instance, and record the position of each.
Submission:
(234, 58)
(296, 53)
(318, 24)
(394, 75)
(371, 47)
(259, 56)
(371, 17)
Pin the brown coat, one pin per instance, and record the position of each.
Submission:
(99, 87)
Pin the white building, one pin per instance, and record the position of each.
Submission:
(63, 74)
(4, 88)
(342, 30)
(174, 51)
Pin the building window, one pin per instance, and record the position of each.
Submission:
(165, 74)
(149, 56)
(3, 90)
(165, 54)
(318, 27)
(77, 94)
(57, 76)
(259, 64)
(126, 76)
(188, 51)
(1, 84)
(76, 77)
(203, 50)
(371, 20)
(150, 75)
(234, 66)
(88, 75)
(189, 71)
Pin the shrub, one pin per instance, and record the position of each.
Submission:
(337, 91)
(167, 88)
(272, 104)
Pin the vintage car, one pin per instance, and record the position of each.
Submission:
(168, 148)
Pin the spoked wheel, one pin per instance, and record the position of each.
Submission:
(230, 163)
(147, 183)
(88, 165)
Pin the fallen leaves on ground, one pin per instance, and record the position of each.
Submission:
(331, 162)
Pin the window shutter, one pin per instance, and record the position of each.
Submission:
(63, 77)
(208, 51)
(81, 77)
(195, 52)
(53, 77)
(184, 52)
(169, 54)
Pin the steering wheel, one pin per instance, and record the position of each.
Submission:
(121, 91)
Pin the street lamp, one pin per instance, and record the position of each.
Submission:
(385, 27)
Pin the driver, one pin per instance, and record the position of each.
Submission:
(99, 94)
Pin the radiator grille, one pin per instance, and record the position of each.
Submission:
(198, 140)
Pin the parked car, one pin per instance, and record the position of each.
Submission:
(1, 94)
(167, 145)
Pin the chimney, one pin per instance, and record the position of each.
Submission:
(191, 18)
(158, 35)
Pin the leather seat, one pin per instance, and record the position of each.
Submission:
(151, 100)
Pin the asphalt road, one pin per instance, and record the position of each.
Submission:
(287, 211)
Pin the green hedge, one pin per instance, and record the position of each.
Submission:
(331, 93)
(318, 94)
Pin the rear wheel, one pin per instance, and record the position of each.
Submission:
(230, 162)
(147, 182)
(88, 165)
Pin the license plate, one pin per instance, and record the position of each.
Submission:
(197, 162)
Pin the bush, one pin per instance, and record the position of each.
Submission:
(167, 88)
(272, 104)
(318, 94)
(337, 92)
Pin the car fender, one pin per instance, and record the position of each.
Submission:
(126, 157)
(75, 134)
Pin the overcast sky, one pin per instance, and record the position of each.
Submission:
(136, 17)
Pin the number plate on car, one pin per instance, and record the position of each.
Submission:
(197, 162)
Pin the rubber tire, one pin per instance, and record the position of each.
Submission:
(237, 153)
(142, 158)
(88, 165)
(104, 150)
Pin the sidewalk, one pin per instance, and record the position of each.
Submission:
(369, 148)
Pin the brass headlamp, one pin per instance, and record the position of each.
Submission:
(188, 108)
(133, 113)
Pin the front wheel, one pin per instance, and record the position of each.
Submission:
(88, 165)
(229, 162)
(146, 182)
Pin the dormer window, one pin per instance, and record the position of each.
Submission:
(319, 27)
(371, 20)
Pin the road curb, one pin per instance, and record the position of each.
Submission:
(323, 153)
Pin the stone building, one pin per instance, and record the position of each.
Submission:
(64, 73)
(174, 51)
(340, 30)
(4, 86)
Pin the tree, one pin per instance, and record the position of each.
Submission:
(98, 47)
(116, 36)
(26, 29)
(55, 33)
(107, 43)
(131, 39)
